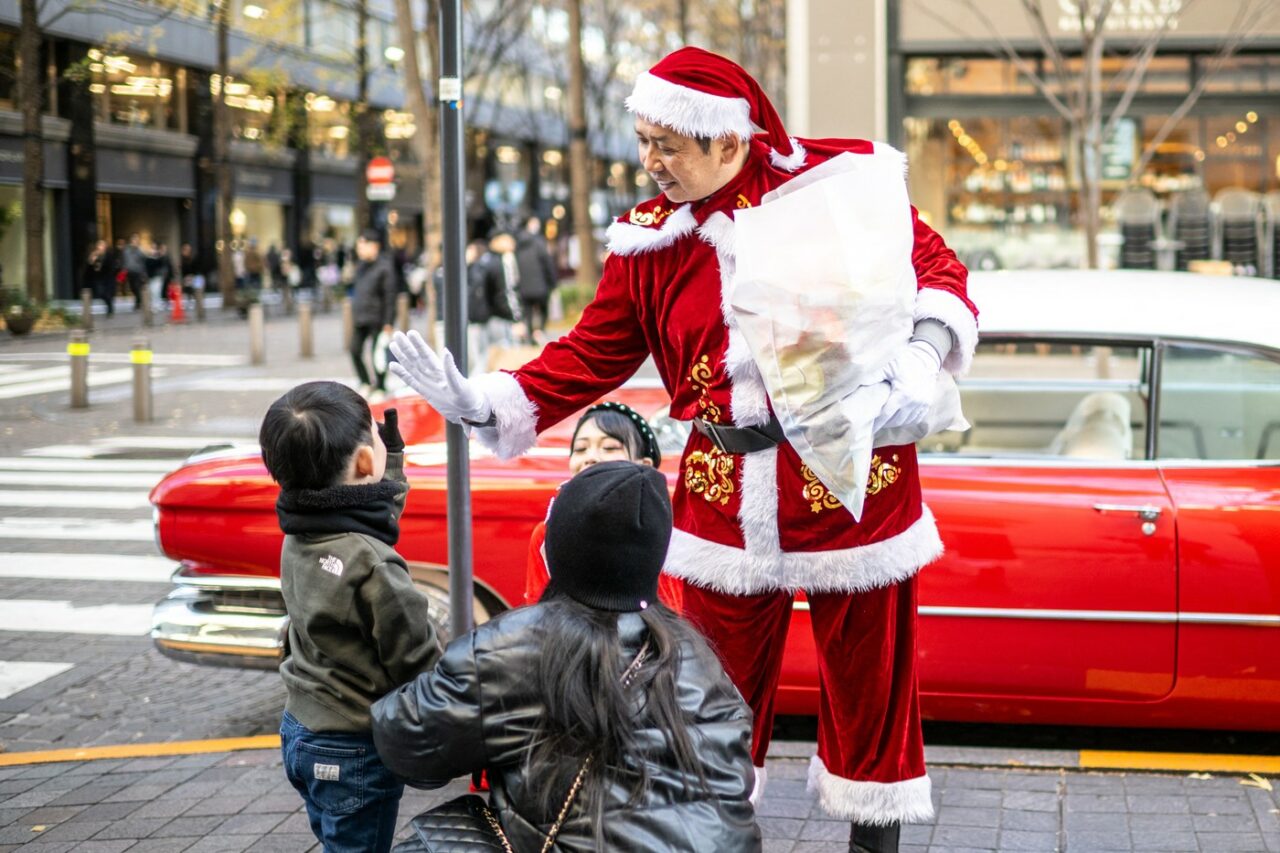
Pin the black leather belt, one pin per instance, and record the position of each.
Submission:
(740, 440)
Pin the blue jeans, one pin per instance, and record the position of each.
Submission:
(352, 798)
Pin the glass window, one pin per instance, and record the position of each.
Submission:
(1070, 401)
(8, 70)
(1170, 74)
(333, 30)
(251, 111)
(139, 92)
(964, 76)
(1243, 74)
(1217, 404)
(328, 125)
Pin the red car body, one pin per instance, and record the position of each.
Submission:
(1129, 592)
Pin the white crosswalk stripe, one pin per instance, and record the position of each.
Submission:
(85, 567)
(16, 676)
(73, 480)
(63, 617)
(31, 463)
(91, 529)
(173, 358)
(97, 379)
(78, 499)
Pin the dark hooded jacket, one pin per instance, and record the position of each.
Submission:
(477, 710)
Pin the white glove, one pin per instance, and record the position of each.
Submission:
(912, 375)
(438, 380)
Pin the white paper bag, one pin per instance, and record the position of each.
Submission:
(824, 293)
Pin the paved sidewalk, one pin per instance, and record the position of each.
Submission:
(241, 802)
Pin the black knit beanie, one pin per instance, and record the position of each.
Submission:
(607, 536)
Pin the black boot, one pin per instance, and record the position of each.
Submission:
(865, 838)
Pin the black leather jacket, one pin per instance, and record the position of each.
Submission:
(475, 711)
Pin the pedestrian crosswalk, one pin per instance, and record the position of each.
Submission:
(32, 374)
(77, 558)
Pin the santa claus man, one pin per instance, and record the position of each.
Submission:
(753, 525)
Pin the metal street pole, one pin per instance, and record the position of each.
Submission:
(449, 91)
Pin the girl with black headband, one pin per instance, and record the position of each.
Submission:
(606, 432)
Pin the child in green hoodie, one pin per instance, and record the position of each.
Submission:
(357, 625)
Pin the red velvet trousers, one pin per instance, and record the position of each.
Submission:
(869, 711)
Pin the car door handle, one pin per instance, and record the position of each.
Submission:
(1146, 512)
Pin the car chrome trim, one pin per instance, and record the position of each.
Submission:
(188, 626)
(184, 577)
(1260, 620)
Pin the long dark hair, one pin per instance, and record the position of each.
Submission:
(589, 713)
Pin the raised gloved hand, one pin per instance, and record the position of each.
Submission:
(438, 380)
(389, 431)
(912, 376)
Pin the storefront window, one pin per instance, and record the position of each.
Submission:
(328, 125)
(138, 92)
(1171, 74)
(1243, 74)
(964, 76)
(333, 30)
(399, 129)
(8, 71)
(251, 112)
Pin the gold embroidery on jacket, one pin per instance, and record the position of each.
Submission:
(882, 475)
(709, 474)
(646, 219)
(700, 376)
(742, 201)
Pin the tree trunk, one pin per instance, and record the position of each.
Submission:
(363, 119)
(222, 164)
(30, 93)
(579, 153)
(425, 136)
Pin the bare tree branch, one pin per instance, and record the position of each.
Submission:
(1013, 56)
(1035, 12)
(1239, 36)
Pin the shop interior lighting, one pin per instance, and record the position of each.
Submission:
(255, 12)
(143, 87)
(507, 154)
(552, 158)
(967, 142)
(393, 53)
(319, 103)
(1241, 127)
(398, 125)
(558, 211)
(552, 93)
(338, 131)
(1251, 116)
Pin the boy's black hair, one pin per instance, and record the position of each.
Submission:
(309, 434)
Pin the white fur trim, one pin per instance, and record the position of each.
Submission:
(688, 111)
(884, 149)
(874, 803)
(790, 162)
(757, 788)
(749, 402)
(516, 430)
(738, 571)
(627, 239)
(758, 506)
(934, 303)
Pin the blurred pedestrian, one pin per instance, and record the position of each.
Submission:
(501, 274)
(537, 275)
(189, 269)
(254, 265)
(134, 263)
(373, 308)
(100, 275)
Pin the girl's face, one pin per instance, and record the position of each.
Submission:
(591, 445)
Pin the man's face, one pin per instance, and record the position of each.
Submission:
(366, 250)
(679, 166)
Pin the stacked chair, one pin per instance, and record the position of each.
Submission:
(1239, 229)
(1271, 206)
(1138, 213)
(1191, 225)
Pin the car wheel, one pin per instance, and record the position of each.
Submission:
(433, 582)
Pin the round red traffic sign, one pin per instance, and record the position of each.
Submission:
(380, 171)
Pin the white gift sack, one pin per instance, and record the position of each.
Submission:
(824, 293)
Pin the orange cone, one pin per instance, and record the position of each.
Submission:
(176, 312)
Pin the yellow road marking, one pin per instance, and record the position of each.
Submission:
(141, 750)
(1099, 759)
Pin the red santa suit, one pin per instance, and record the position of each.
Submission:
(752, 529)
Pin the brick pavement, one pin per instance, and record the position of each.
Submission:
(241, 802)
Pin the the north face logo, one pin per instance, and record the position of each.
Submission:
(332, 565)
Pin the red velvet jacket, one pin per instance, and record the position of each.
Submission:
(749, 523)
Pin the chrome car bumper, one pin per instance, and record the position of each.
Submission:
(222, 620)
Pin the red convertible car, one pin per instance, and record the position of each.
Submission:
(1111, 519)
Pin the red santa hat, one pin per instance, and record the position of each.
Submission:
(698, 93)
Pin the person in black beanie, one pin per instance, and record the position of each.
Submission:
(598, 682)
